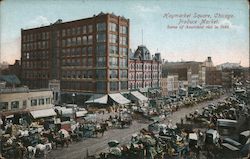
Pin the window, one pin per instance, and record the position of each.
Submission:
(90, 28)
(90, 39)
(101, 50)
(124, 85)
(24, 103)
(33, 102)
(113, 27)
(41, 101)
(101, 26)
(84, 40)
(84, 29)
(64, 43)
(79, 40)
(123, 29)
(73, 31)
(123, 40)
(14, 105)
(101, 37)
(113, 74)
(89, 74)
(47, 100)
(123, 74)
(101, 61)
(78, 30)
(68, 32)
(84, 51)
(114, 86)
(77, 51)
(113, 49)
(123, 51)
(101, 74)
(101, 86)
(3, 106)
(123, 62)
(113, 38)
(90, 62)
(113, 61)
(73, 41)
(69, 42)
(89, 51)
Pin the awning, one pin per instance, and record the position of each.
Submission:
(98, 98)
(43, 113)
(118, 98)
(139, 96)
(81, 113)
(67, 111)
(152, 91)
(143, 90)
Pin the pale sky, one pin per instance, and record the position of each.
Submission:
(223, 45)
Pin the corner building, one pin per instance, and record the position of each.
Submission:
(87, 56)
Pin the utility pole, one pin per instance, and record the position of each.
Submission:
(142, 36)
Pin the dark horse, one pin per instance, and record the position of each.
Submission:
(125, 123)
(61, 141)
(101, 130)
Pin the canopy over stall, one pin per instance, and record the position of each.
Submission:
(98, 98)
(43, 113)
(118, 98)
(139, 96)
(103, 99)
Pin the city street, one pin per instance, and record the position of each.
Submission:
(91, 146)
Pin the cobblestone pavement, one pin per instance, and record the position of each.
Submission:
(79, 150)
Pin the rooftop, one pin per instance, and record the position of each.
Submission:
(60, 21)
(21, 90)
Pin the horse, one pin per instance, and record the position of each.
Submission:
(101, 129)
(17, 150)
(31, 152)
(43, 149)
(125, 123)
(61, 141)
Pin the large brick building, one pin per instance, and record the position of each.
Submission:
(144, 71)
(87, 56)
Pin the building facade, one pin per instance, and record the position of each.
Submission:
(144, 71)
(172, 85)
(21, 100)
(213, 76)
(87, 56)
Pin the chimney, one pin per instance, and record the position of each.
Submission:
(209, 59)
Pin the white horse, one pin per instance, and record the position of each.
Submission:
(31, 152)
(39, 148)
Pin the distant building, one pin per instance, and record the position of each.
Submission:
(164, 86)
(172, 85)
(213, 76)
(187, 72)
(14, 69)
(231, 73)
(231, 76)
(145, 71)
(10, 80)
